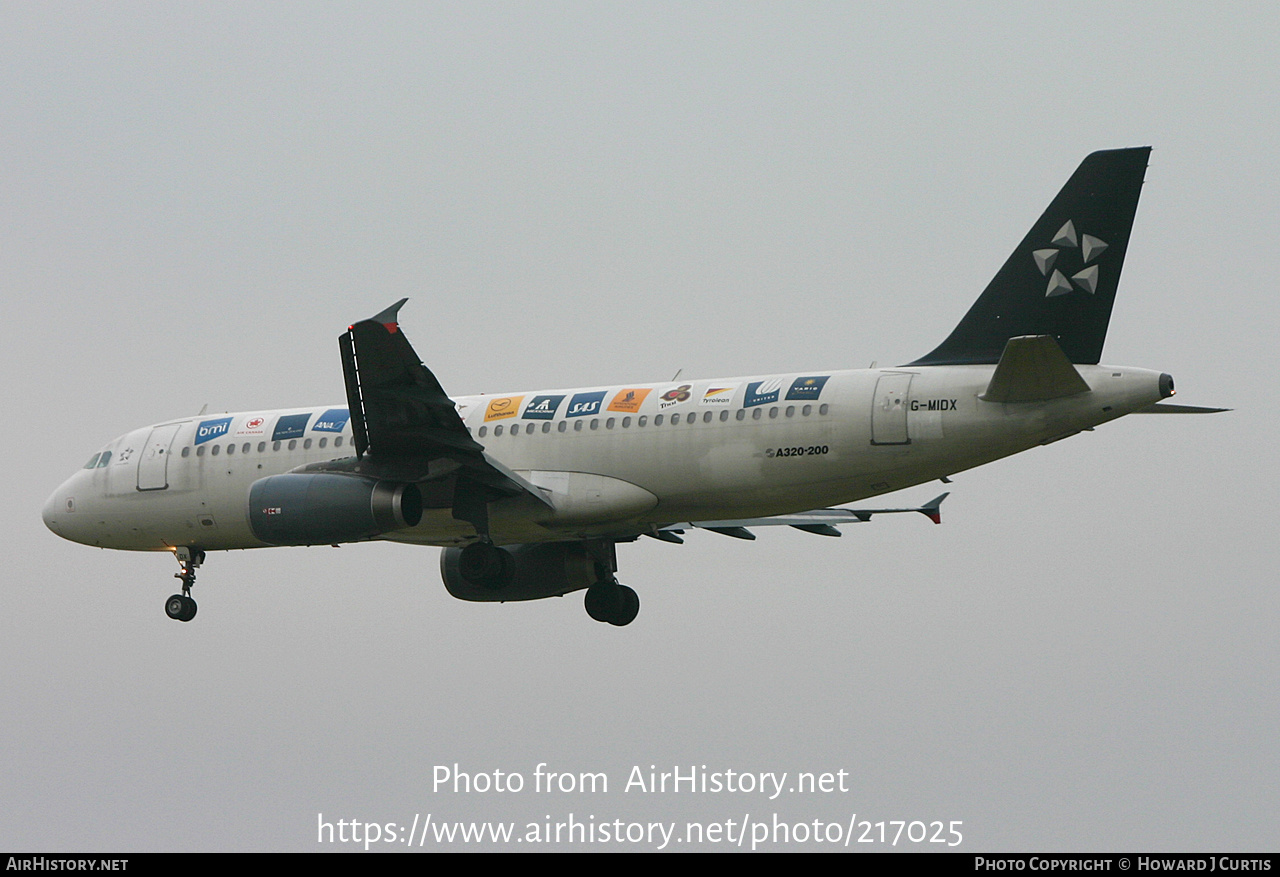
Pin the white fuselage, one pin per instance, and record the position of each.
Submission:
(608, 459)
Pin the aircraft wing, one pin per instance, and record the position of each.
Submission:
(820, 521)
(404, 425)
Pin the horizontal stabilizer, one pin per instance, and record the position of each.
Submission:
(1033, 368)
(1161, 408)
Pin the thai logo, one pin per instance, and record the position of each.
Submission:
(502, 408)
(629, 400)
(762, 392)
(807, 389)
(1070, 253)
(543, 407)
(583, 404)
(675, 396)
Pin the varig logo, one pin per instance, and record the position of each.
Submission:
(1069, 254)
(502, 408)
(208, 430)
(629, 400)
(807, 389)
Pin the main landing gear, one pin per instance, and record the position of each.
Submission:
(181, 607)
(611, 602)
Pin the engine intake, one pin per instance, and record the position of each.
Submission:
(544, 569)
(325, 509)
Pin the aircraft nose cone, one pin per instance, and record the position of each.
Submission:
(50, 513)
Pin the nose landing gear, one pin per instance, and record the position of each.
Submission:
(181, 607)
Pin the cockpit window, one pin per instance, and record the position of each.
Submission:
(93, 461)
(104, 459)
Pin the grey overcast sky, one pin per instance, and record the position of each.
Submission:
(197, 199)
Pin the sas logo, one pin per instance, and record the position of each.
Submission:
(291, 426)
(807, 389)
(543, 407)
(583, 404)
(675, 396)
(762, 392)
(629, 401)
(208, 430)
(333, 420)
(718, 396)
(502, 408)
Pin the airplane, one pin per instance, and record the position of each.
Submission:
(530, 492)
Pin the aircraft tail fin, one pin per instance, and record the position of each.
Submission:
(1061, 280)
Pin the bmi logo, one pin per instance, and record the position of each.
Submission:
(1052, 260)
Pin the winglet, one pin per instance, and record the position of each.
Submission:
(933, 508)
(391, 316)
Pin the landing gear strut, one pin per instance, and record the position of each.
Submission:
(606, 600)
(181, 607)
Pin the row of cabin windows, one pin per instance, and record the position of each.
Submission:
(291, 445)
(643, 420)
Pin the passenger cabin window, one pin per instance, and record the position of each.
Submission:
(244, 449)
(323, 442)
(200, 451)
(484, 431)
(216, 449)
(293, 444)
(306, 444)
(823, 409)
(675, 419)
(231, 449)
(186, 452)
(337, 443)
(497, 430)
(706, 418)
(546, 428)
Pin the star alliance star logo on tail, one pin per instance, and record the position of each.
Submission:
(1066, 244)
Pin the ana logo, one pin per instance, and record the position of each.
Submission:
(762, 392)
(807, 389)
(718, 396)
(629, 400)
(583, 404)
(291, 426)
(333, 420)
(543, 407)
(675, 396)
(208, 430)
(1069, 255)
(502, 408)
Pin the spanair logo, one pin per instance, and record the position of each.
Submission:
(252, 426)
(762, 392)
(543, 407)
(628, 401)
(291, 426)
(208, 430)
(1065, 255)
(807, 389)
(718, 397)
(675, 396)
(502, 408)
(333, 420)
(583, 404)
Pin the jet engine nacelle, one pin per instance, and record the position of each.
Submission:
(544, 569)
(325, 509)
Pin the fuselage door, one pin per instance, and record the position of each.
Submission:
(889, 410)
(153, 464)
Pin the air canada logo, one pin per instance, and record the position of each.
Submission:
(1068, 254)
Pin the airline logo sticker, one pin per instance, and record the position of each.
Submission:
(629, 400)
(333, 420)
(291, 426)
(1054, 262)
(719, 397)
(675, 396)
(502, 408)
(208, 430)
(807, 389)
(543, 407)
(762, 392)
(252, 426)
(583, 404)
